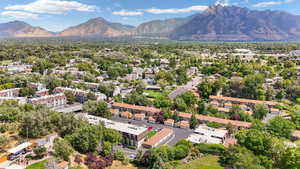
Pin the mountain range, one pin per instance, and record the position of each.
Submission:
(221, 23)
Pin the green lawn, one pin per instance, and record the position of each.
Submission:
(151, 133)
(5, 62)
(38, 165)
(153, 94)
(207, 162)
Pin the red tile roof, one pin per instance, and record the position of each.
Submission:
(135, 107)
(158, 136)
(217, 120)
(234, 99)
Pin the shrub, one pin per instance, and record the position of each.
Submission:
(215, 149)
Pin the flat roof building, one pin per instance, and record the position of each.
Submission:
(132, 135)
(204, 134)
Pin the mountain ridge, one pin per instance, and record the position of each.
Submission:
(224, 23)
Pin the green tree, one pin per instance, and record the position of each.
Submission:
(40, 151)
(260, 111)
(280, 127)
(162, 102)
(257, 141)
(240, 157)
(97, 108)
(4, 142)
(290, 158)
(206, 88)
(189, 98)
(194, 122)
(106, 148)
(62, 149)
(70, 97)
(112, 136)
(36, 124)
(86, 138)
(25, 92)
(137, 99)
(91, 96)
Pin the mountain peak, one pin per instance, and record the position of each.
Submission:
(97, 19)
(97, 27)
(22, 29)
(232, 23)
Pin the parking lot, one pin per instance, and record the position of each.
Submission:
(178, 132)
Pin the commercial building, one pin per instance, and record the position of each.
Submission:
(132, 135)
(158, 138)
(50, 100)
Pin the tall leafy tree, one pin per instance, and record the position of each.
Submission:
(280, 127)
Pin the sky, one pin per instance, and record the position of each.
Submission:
(56, 15)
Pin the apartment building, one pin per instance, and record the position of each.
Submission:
(50, 100)
(134, 109)
(10, 92)
(132, 135)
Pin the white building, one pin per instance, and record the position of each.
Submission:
(204, 134)
(132, 135)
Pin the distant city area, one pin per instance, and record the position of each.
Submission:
(85, 103)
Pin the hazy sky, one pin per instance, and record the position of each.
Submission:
(55, 15)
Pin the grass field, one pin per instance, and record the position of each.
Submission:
(5, 62)
(38, 165)
(153, 94)
(207, 162)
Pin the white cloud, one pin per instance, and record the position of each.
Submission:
(176, 10)
(19, 14)
(271, 3)
(52, 7)
(222, 2)
(128, 13)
